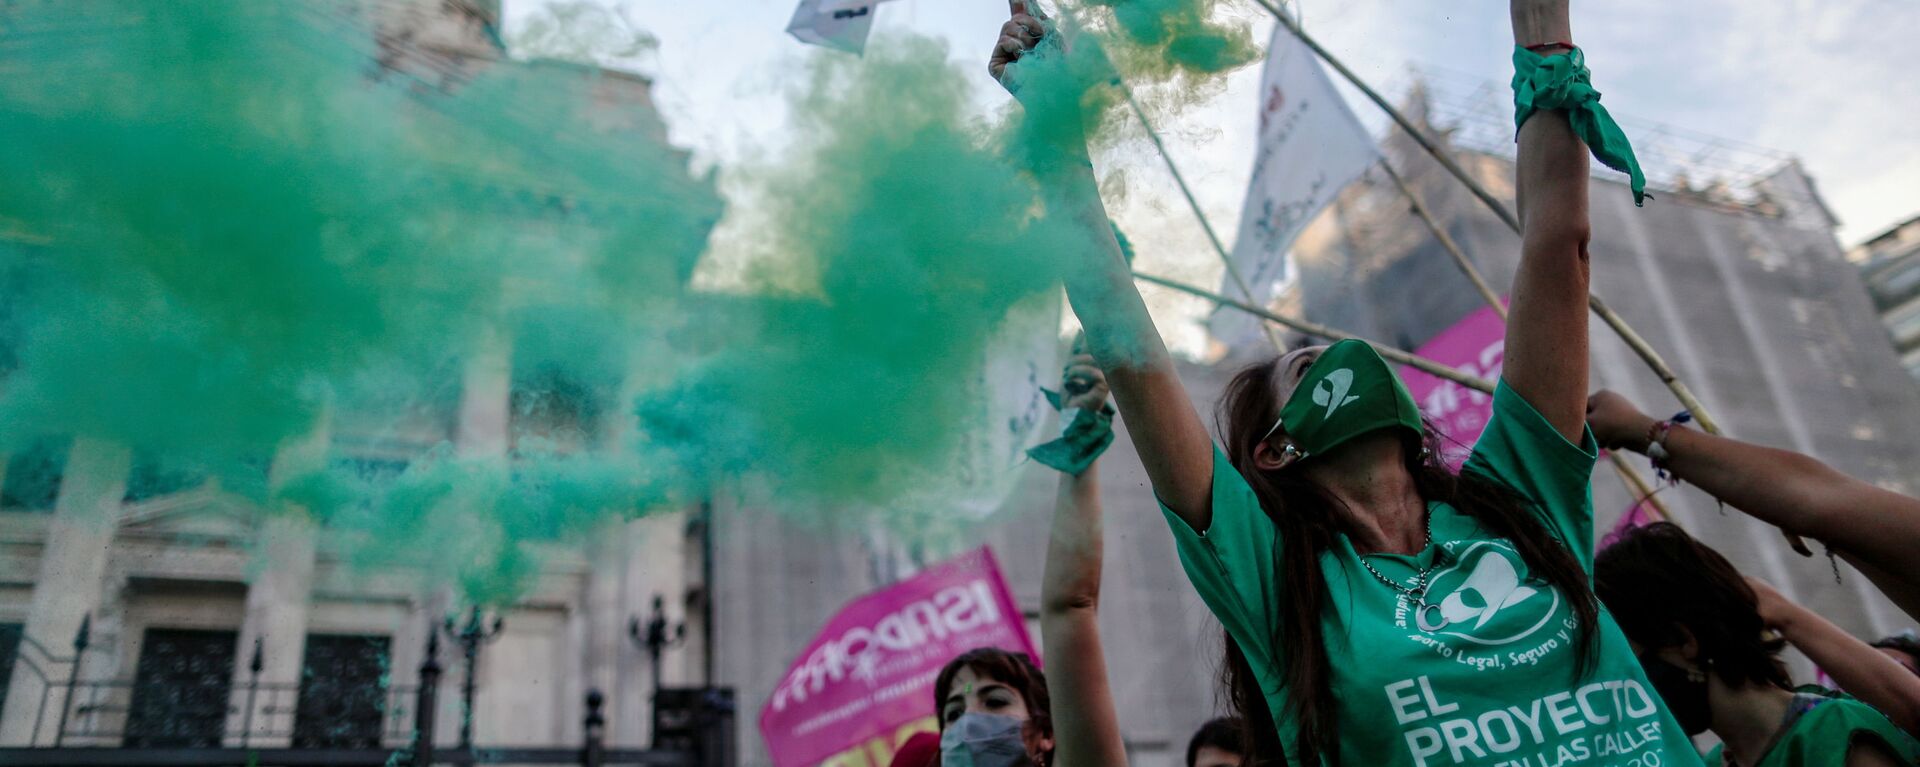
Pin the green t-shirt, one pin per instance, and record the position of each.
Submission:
(1493, 687)
(1821, 727)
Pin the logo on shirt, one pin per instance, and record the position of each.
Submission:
(1332, 391)
(1484, 601)
(1482, 610)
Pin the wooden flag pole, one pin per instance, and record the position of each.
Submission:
(1314, 329)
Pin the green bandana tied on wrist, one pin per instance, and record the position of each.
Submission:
(1085, 437)
(1562, 82)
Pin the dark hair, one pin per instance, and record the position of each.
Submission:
(1305, 521)
(1259, 741)
(1662, 585)
(1013, 669)
(1224, 733)
(1907, 643)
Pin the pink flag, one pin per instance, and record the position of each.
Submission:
(1640, 514)
(1476, 345)
(866, 682)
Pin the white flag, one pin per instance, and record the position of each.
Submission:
(1311, 146)
(838, 24)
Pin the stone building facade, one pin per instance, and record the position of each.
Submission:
(208, 622)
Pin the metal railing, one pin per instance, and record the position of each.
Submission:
(222, 721)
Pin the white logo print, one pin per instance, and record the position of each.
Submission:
(1340, 380)
(1496, 584)
(1486, 602)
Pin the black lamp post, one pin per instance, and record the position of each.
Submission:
(471, 636)
(657, 636)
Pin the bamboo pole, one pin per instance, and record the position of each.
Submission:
(1446, 241)
(1193, 203)
(1199, 215)
(1314, 329)
(1401, 119)
(1627, 334)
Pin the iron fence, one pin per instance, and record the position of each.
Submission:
(210, 719)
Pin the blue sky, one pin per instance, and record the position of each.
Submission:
(1829, 81)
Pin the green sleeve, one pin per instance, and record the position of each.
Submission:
(1231, 564)
(1823, 736)
(1522, 450)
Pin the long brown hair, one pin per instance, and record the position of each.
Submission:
(1307, 523)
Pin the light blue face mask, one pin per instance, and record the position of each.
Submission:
(984, 740)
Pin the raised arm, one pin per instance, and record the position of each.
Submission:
(1546, 354)
(1877, 529)
(1086, 730)
(1860, 670)
(1172, 442)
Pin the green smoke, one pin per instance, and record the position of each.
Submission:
(228, 224)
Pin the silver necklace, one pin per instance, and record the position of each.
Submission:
(1426, 615)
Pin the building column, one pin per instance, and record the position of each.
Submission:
(72, 563)
(278, 599)
(482, 433)
(486, 391)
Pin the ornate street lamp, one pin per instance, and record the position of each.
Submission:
(657, 636)
(471, 636)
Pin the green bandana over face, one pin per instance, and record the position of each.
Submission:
(1349, 391)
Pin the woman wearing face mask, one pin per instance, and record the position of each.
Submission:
(1697, 627)
(994, 711)
(1382, 611)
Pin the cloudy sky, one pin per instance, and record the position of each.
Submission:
(1829, 81)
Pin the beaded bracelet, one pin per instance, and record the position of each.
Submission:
(1657, 451)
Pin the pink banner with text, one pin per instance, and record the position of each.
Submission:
(1475, 345)
(865, 683)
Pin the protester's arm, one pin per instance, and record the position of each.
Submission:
(1546, 353)
(1860, 670)
(1172, 442)
(1086, 729)
(1875, 527)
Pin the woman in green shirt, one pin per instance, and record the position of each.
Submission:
(1698, 628)
(1388, 612)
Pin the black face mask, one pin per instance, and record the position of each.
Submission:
(1685, 697)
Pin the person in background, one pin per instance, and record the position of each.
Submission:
(1859, 669)
(1874, 529)
(1390, 612)
(1697, 627)
(1218, 743)
(1086, 727)
(922, 749)
(994, 711)
(995, 706)
(1903, 648)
